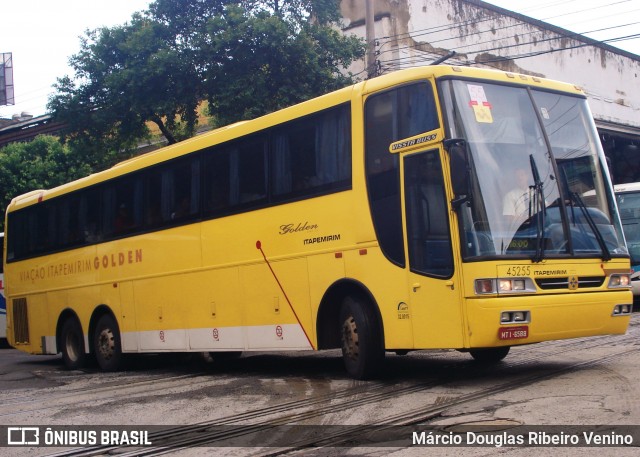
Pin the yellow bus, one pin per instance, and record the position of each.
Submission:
(3, 303)
(434, 207)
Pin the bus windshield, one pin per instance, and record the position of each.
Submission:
(628, 198)
(536, 186)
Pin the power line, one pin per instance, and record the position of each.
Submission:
(416, 61)
(535, 53)
(425, 56)
(453, 25)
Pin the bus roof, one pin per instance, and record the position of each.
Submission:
(241, 128)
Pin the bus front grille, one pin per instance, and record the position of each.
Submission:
(20, 321)
(563, 283)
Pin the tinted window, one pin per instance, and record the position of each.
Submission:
(236, 176)
(312, 155)
(121, 203)
(304, 158)
(427, 216)
(391, 116)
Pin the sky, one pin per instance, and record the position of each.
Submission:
(616, 22)
(44, 34)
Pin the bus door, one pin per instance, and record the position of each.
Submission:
(435, 304)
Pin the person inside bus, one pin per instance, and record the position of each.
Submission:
(515, 204)
(123, 221)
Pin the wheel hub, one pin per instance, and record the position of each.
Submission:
(350, 338)
(106, 344)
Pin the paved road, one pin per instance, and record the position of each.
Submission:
(587, 382)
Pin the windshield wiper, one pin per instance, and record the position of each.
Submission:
(606, 255)
(538, 203)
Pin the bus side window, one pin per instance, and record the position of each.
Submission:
(183, 195)
(390, 116)
(235, 176)
(312, 156)
(68, 215)
(430, 250)
(153, 199)
(122, 206)
(216, 182)
(90, 216)
(247, 172)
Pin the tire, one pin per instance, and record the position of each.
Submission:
(362, 345)
(72, 345)
(490, 355)
(106, 344)
(225, 356)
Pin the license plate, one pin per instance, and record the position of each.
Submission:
(513, 333)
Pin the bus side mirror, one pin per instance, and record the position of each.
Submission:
(459, 163)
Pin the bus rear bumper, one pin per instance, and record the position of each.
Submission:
(581, 315)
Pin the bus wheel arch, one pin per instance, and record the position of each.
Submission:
(105, 339)
(349, 318)
(70, 340)
(327, 323)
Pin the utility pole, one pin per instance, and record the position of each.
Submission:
(369, 20)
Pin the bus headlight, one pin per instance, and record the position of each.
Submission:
(619, 281)
(508, 285)
(504, 286)
(485, 286)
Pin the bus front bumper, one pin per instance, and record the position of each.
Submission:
(515, 320)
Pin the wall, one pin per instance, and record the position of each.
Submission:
(416, 32)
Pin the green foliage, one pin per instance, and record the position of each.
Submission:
(246, 57)
(267, 63)
(128, 75)
(41, 164)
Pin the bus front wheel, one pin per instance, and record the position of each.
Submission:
(362, 346)
(490, 355)
(106, 343)
(72, 342)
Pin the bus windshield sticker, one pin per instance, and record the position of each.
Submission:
(479, 103)
(545, 112)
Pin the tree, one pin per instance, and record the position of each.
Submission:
(246, 57)
(125, 77)
(270, 60)
(40, 164)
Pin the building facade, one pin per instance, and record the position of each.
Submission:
(409, 33)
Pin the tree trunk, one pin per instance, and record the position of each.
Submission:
(163, 128)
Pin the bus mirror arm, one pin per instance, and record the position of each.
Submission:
(458, 201)
(459, 161)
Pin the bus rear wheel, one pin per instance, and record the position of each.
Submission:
(225, 356)
(106, 343)
(362, 346)
(490, 355)
(72, 345)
